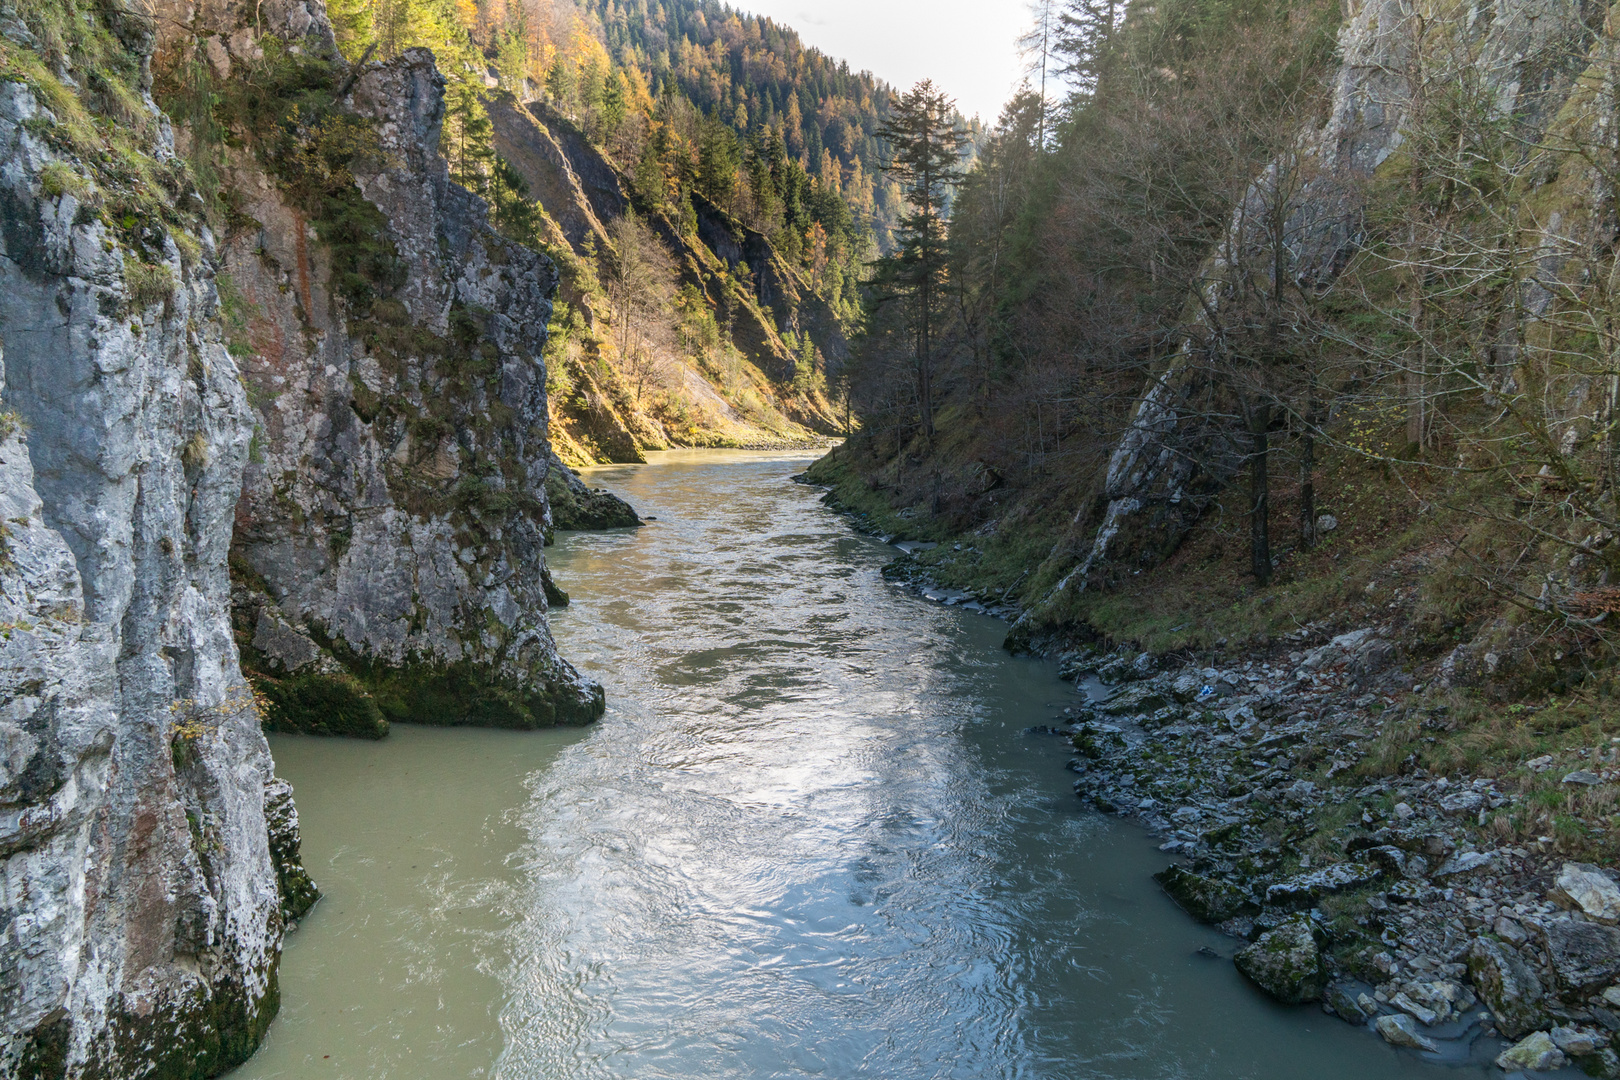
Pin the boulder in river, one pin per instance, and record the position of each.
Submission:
(1401, 1030)
(1287, 962)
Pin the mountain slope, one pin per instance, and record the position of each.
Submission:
(750, 386)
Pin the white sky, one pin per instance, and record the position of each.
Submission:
(968, 47)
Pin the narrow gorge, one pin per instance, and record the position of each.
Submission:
(717, 565)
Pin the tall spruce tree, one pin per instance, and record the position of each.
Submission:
(925, 149)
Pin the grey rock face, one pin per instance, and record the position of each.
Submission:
(392, 529)
(1508, 986)
(577, 505)
(140, 920)
(1584, 955)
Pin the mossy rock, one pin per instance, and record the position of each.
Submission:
(1287, 963)
(466, 694)
(555, 597)
(1205, 899)
(323, 705)
(581, 508)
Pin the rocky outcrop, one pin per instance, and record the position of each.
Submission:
(1287, 962)
(140, 920)
(389, 539)
(577, 505)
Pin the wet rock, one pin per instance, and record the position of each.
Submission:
(1584, 887)
(1443, 999)
(1344, 1001)
(1584, 955)
(1605, 1063)
(1205, 899)
(1416, 1010)
(1509, 987)
(1287, 962)
(1401, 1030)
(1536, 1052)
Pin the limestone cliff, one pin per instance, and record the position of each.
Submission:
(140, 919)
(344, 376)
(389, 537)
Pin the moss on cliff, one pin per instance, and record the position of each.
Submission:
(318, 704)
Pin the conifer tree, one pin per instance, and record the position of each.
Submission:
(926, 161)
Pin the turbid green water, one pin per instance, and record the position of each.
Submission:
(808, 839)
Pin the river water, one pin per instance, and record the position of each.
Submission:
(810, 838)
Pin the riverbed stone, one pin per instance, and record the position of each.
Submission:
(1585, 955)
(1584, 887)
(1578, 1041)
(1206, 899)
(1509, 987)
(1536, 1052)
(1398, 1029)
(1139, 698)
(1287, 962)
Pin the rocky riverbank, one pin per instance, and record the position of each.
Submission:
(1402, 902)
(1286, 784)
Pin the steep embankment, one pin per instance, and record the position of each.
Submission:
(388, 546)
(751, 394)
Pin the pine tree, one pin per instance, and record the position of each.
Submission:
(1084, 30)
(926, 162)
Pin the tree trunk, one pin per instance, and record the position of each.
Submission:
(1307, 493)
(1260, 499)
(1307, 479)
(925, 381)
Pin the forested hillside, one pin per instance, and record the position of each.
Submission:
(1273, 320)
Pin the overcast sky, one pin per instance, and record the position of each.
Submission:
(966, 46)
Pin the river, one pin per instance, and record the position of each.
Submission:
(809, 838)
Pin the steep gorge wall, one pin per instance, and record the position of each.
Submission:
(390, 535)
(383, 472)
(583, 194)
(140, 919)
